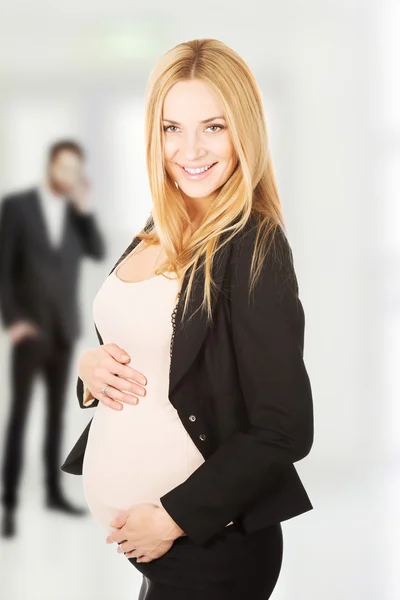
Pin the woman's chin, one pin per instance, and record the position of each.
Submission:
(197, 190)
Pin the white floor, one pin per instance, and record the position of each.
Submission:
(58, 557)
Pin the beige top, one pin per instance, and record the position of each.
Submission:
(141, 452)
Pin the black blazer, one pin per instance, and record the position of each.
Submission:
(37, 281)
(242, 392)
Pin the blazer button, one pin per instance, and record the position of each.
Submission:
(202, 436)
(192, 418)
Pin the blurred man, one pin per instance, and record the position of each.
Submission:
(44, 234)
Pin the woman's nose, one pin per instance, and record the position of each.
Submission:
(192, 147)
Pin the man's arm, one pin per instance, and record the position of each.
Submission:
(268, 342)
(9, 249)
(92, 240)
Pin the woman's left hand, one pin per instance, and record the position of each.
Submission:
(145, 531)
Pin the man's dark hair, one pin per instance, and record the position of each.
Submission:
(62, 145)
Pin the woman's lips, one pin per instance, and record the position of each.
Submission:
(198, 175)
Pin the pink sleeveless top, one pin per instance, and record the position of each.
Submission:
(141, 452)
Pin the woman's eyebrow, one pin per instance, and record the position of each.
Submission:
(202, 122)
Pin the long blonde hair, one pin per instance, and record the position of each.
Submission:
(250, 190)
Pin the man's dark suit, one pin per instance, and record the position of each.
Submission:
(242, 392)
(39, 283)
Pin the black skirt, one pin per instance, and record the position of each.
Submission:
(232, 566)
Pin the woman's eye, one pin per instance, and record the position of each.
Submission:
(169, 127)
(219, 127)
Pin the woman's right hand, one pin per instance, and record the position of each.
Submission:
(106, 365)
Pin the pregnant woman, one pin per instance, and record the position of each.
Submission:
(202, 398)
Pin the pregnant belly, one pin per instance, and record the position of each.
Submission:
(132, 457)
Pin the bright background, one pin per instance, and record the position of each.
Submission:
(329, 75)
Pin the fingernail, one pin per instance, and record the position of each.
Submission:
(125, 357)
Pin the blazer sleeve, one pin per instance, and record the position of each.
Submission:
(85, 397)
(267, 336)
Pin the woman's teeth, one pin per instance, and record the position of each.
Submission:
(197, 171)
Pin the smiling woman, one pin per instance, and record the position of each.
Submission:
(193, 481)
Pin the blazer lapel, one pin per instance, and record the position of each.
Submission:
(190, 333)
(38, 218)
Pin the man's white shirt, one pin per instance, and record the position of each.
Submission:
(54, 212)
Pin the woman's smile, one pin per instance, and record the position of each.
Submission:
(196, 173)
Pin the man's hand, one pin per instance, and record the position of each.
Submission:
(22, 329)
(146, 531)
(81, 195)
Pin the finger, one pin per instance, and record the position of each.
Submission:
(124, 390)
(123, 370)
(126, 546)
(134, 554)
(117, 352)
(108, 401)
(119, 536)
(125, 386)
(121, 376)
(114, 397)
(127, 372)
(120, 520)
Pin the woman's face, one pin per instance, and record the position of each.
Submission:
(196, 137)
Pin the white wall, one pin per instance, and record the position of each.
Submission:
(328, 74)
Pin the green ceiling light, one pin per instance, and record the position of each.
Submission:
(131, 43)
